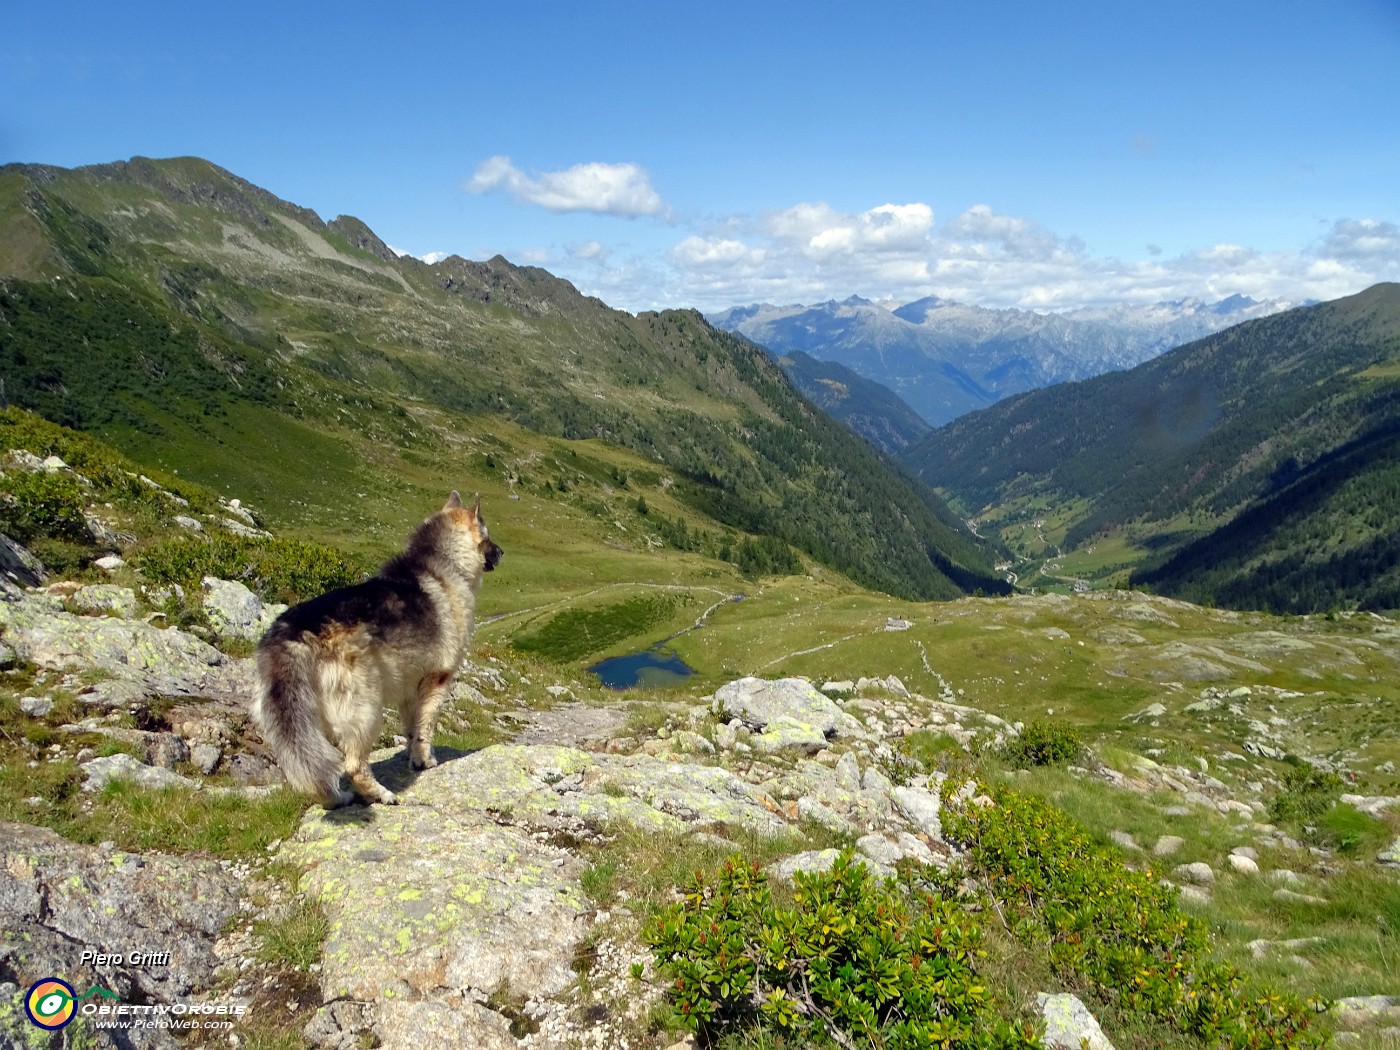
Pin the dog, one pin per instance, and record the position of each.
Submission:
(328, 666)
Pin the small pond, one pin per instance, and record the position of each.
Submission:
(655, 668)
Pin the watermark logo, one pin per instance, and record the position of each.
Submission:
(51, 1003)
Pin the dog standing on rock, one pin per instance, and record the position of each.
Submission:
(328, 667)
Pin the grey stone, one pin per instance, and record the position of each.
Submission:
(1123, 840)
(1167, 845)
(206, 757)
(110, 562)
(36, 706)
(1069, 1024)
(1244, 865)
(19, 565)
(811, 861)
(1293, 897)
(236, 612)
(58, 899)
(438, 896)
(1198, 872)
(1391, 854)
(187, 522)
(759, 701)
(922, 808)
(848, 773)
(809, 808)
(1148, 712)
(783, 733)
(124, 767)
(105, 598)
(1245, 851)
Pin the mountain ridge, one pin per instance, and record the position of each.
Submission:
(946, 358)
(237, 288)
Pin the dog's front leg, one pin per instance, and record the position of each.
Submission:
(421, 722)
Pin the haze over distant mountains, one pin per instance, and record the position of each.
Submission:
(945, 358)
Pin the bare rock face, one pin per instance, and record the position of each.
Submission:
(59, 899)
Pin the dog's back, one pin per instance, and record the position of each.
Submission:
(328, 666)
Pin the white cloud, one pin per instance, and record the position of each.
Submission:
(591, 251)
(1366, 240)
(427, 257)
(607, 189)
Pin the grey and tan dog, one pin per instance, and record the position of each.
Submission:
(328, 667)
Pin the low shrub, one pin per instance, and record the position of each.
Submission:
(854, 960)
(1117, 928)
(1043, 743)
(1305, 794)
(282, 570)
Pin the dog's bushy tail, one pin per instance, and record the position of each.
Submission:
(286, 712)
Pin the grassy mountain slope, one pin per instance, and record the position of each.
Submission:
(178, 310)
(1288, 415)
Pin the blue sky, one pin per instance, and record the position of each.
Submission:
(1044, 155)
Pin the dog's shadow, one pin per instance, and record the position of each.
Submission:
(397, 775)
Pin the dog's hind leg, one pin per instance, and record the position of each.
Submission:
(354, 715)
(420, 718)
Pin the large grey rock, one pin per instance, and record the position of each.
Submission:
(759, 701)
(236, 612)
(105, 598)
(101, 771)
(1391, 854)
(58, 899)
(922, 808)
(438, 898)
(1069, 1024)
(141, 659)
(19, 565)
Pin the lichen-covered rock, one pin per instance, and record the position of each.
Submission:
(105, 598)
(1069, 1024)
(141, 659)
(759, 701)
(58, 899)
(425, 896)
(236, 612)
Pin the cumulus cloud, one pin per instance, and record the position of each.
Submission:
(811, 252)
(606, 189)
(1368, 240)
(427, 257)
(589, 251)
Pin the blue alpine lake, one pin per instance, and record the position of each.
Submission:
(655, 668)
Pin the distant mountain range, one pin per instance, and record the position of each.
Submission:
(945, 358)
(1256, 468)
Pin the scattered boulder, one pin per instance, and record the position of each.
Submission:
(1167, 845)
(1197, 873)
(760, 702)
(236, 612)
(19, 565)
(1069, 1024)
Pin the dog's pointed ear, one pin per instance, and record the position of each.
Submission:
(454, 501)
(476, 506)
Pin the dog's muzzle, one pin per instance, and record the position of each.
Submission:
(493, 555)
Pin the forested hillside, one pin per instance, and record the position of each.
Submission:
(1282, 426)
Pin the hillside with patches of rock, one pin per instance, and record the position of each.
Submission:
(472, 908)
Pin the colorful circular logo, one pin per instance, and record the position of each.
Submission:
(51, 1003)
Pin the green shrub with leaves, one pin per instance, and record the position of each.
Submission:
(283, 570)
(1043, 743)
(854, 960)
(1305, 794)
(1117, 928)
(36, 504)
